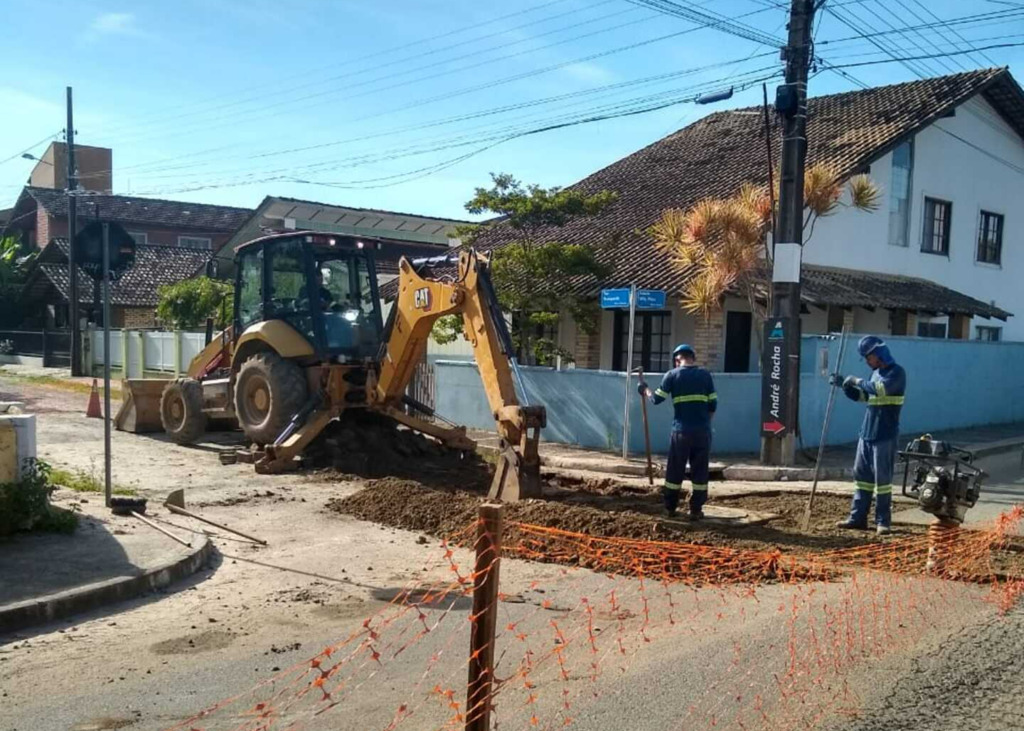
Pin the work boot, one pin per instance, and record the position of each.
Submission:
(671, 499)
(882, 530)
(696, 516)
(849, 523)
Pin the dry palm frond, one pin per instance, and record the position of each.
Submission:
(821, 190)
(755, 198)
(703, 221)
(864, 193)
(670, 231)
(705, 291)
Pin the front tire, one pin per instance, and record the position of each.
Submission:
(269, 391)
(181, 410)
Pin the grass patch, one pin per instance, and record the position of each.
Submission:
(61, 383)
(81, 481)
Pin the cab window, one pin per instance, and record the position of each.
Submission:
(250, 287)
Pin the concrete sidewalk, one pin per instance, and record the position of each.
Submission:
(836, 463)
(108, 559)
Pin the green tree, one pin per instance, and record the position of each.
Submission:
(14, 265)
(187, 304)
(530, 272)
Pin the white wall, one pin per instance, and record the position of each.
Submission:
(946, 168)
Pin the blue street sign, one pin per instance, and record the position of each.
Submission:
(650, 299)
(615, 299)
(646, 299)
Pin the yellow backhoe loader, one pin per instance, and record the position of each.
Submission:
(308, 342)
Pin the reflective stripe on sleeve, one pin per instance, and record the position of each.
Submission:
(712, 396)
(885, 400)
(659, 392)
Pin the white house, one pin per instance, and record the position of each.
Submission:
(943, 257)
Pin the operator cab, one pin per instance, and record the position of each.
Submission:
(322, 285)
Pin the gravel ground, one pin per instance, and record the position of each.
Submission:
(974, 682)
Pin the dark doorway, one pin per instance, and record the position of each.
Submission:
(737, 341)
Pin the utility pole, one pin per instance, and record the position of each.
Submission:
(782, 336)
(72, 182)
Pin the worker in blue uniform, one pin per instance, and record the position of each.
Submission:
(694, 401)
(876, 449)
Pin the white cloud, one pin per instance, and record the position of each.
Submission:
(115, 24)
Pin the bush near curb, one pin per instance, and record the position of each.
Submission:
(25, 504)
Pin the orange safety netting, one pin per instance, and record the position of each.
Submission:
(737, 639)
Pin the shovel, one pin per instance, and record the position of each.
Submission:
(175, 502)
(647, 430)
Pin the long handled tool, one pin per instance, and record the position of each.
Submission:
(647, 431)
(175, 502)
(824, 430)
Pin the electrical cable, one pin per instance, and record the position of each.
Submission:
(31, 147)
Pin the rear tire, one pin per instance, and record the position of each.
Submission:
(269, 391)
(181, 410)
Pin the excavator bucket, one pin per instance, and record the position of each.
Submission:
(514, 478)
(140, 405)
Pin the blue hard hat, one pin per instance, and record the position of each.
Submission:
(868, 344)
(684, 348)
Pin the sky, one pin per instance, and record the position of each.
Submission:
(409, 105)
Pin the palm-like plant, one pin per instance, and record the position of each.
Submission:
(721, 244)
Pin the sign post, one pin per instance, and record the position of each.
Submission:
(106, 364)
(781, 337)
(629, 370)
(105, 250)
(634, 299)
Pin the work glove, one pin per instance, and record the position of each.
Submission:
(641, 388)
(851, 382)
(835, 379)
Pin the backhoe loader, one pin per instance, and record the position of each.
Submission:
(308, 342)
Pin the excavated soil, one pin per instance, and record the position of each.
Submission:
(446, 512)
(366, 444)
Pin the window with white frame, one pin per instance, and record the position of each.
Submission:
(141, 239)
(990, 238)
(990, 333)
(899, 201)
(938, 217)
(194, 242)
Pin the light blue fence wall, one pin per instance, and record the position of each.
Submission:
(951, 384)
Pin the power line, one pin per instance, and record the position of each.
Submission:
(840, 15)
(711, 19)
(952, 31)
(902, 59)
(907, 34)
(387, 52)
(260, 99)
(31, 147)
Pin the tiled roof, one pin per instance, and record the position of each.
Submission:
(716, 155)
(154, 267)
(855, 288)
(152, 211)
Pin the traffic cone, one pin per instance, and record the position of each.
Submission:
(93, 411)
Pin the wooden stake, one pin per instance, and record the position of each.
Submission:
(485, 618)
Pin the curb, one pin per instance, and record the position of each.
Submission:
(758, 473)
(30, 612)
(1006, 445)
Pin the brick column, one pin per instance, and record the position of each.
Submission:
(709, 340)
(587, 350)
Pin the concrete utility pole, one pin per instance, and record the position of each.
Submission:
(72, 178)
(780, 420)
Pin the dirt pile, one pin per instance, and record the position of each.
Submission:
(447, 512)
(368, 444)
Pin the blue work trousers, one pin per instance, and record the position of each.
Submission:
(693, 448)
(872, 473)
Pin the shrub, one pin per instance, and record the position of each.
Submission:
(25, 504)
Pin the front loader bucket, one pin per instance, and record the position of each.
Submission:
(514, 478)
(140, 405)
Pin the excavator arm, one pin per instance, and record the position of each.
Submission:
(421, 301)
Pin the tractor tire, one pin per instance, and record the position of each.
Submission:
(181, 410)
(269, 391)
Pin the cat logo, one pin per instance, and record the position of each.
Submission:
(421, 299)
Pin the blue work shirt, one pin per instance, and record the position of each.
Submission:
(884, 393)
(692, 391)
